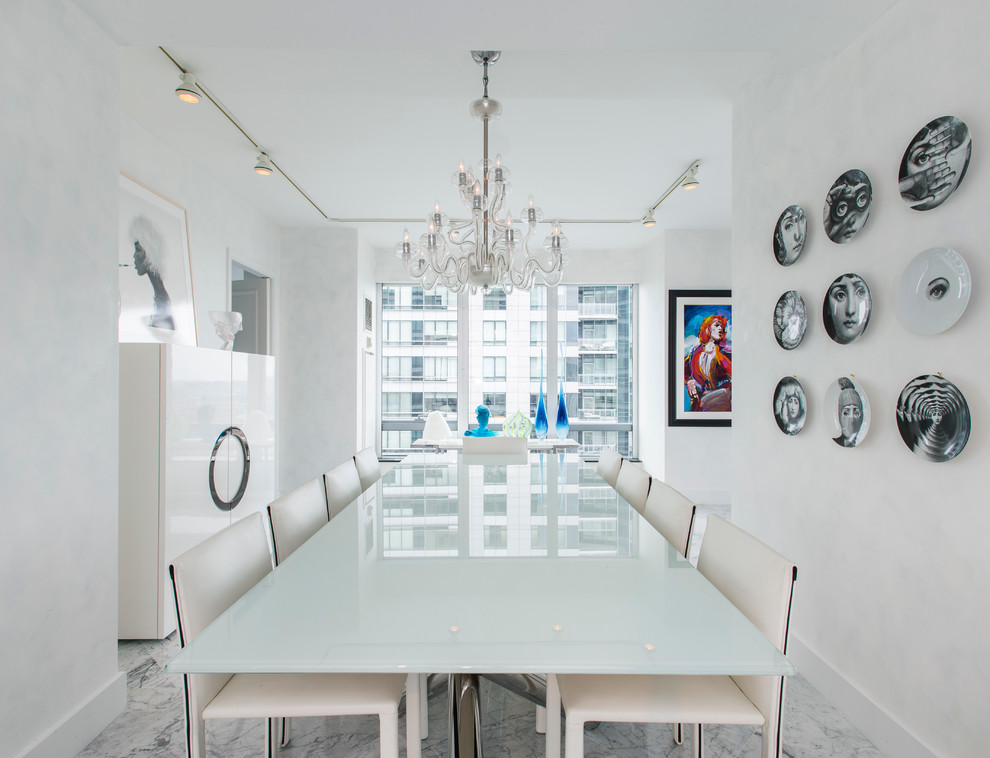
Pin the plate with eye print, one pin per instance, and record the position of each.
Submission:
(934, 290)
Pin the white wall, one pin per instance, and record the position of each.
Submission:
(218, 221)
(698, 460)
(321, 338)
(58, 449)
(891, 598)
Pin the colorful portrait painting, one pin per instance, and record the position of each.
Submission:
(700, 358)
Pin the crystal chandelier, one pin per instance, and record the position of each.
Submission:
(487, 250)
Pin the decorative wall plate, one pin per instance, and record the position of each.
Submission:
(848, 412)
(847, 206)
(790, 235)
(934, 290)
(933, 418)
(935, 163)
(790, 406)
(846, 308)
(790, 320)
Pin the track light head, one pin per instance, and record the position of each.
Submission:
(691, 180)
(648, 219)
(263, 166)
(188, 92)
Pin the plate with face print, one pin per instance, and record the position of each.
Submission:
(790, 235)
(790, 320)
(846, 308)
(847, 411)
(790, 407)
(933, 418)
(847, 206)
(935, 163)
(934, 290)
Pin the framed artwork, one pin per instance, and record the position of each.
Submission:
(156, 294)
(699, 358)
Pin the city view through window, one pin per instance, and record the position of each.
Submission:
(449, 353)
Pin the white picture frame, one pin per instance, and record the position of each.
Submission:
(155, 268)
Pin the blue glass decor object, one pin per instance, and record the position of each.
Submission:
(517, 425)
(542, 426)
(483, 415)
(563, 425)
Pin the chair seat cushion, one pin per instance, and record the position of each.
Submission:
(655, 699)
(301, 695)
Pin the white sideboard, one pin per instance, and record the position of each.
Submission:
(176, 402)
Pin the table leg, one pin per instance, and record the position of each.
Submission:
(553, 717)
(414, 706)
(464, 714)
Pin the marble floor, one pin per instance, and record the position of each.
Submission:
(153, 722)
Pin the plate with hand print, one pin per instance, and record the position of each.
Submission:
(934, 290)
(935, 163)
(847, 206)
(790, 235)
(790, 319)
(846, 308)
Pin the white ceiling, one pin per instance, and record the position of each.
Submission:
(364, 105)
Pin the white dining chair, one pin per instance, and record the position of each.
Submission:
(633, 484)
(296, 516)
(343, 486)
(608, 466)
(368, 466)
(671, 514)
(760, 583)
(207, 580)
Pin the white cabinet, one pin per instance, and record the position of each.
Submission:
(181, 409)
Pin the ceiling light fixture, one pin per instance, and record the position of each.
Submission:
(187, 91)
(486, 250)
(688, 180)
(263, 166)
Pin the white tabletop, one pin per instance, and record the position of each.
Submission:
(572, 580)
(456, 443)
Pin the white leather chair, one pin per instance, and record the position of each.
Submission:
(760, 582)
(296, 516)
(671, 514)
(368, 466)
(609, 463)
(343, 486)
(436, 428)
(633, 484)
(207, 580)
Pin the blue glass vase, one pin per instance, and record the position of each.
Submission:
(563, 425)
(542, 426)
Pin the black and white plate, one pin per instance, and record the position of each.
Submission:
(848, 412)
(933, 418)
(935, 163)
(790, 406)
(790, 320)
(934, 290)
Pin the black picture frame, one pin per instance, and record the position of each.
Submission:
(686, 309)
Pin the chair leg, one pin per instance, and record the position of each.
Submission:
(541, 720)
(678, 734)
(424, 701)
(574, 739)
(389, 734)
(699, 741)
(273, 737)
(286, 731)
(195, 737)
(414, 707)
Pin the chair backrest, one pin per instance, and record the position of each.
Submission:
(633, 484)
(296, 516)
(760, 583)
(368, 466)
(609, 463)
(343, 486)
(436, 427)
(495, 445)
(206, 580)
(671, 514)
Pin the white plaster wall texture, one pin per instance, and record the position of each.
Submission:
(698, 459)
(319, 348)
(218, 220)
(58, 466)
(891, 546)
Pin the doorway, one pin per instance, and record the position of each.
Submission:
(250, 295)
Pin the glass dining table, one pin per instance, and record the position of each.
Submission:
(469, 565)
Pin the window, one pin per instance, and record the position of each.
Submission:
(496, 537)
(494, 368)
(496, 504)
(494, 300)
(494, 332)
(537, 332)
(495, 402)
